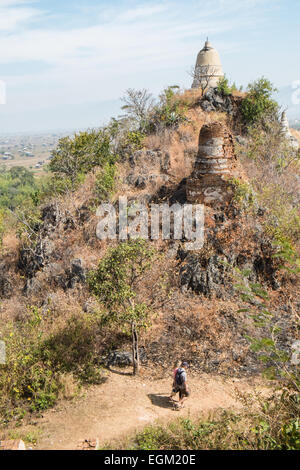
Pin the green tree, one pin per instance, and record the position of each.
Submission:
(80, 154)
(116, 285)
(16, 187)
(258, 104)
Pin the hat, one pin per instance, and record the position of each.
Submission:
(185, 364)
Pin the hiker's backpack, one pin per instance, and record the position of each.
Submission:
(179, 377)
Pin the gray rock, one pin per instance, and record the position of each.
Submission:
(207, 106)
(203, 279)
(123, 358)
(213, 100)
(140, 182)
(137, 181)
(241, 140)
(6, 288)
(133, 159)
(165, 162)
(130, 179)
(76, 275)
(119, 358)
(32, 286)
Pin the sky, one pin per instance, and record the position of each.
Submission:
(66, 63)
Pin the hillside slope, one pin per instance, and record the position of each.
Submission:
(53, 324)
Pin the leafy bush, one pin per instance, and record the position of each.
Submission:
(166, 113)
(258, 104)
(243, 193)
(105, 182)
(129, 142)
(224, 86)
(17, 186)
(169, 112)
(39, 354)
(268, 343)
(78, 155)
(265, 429)
(279, 414)
(2, 225)
(266, 144)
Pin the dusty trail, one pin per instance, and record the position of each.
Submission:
(125, 404)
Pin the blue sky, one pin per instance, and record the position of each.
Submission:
(66, 63)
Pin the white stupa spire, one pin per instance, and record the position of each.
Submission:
(286, 131)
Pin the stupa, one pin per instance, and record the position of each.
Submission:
(208, 183)
(208, 67)
(287, 133)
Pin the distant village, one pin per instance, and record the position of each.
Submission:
(31, 151)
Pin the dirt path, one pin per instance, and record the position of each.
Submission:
(125, 404)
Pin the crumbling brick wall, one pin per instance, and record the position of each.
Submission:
(208, 183)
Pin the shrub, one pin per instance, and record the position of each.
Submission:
(224, 86)
(2, 225)
(105, 182)
(169, 112)
(17, 185)
(80, 154)
(129, 142)
(243, 193)
(279, 427)
(264, 429)
(258, 104)
(40, 352)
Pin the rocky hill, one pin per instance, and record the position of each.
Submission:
(50, 320)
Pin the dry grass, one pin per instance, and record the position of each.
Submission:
(190, 98)
(296, 134)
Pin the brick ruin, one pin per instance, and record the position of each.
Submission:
(208, 183)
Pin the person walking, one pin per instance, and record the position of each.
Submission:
(180, 385)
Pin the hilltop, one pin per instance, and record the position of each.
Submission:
(58, 334)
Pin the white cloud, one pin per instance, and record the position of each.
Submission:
(117, 48)
(142, 12)
(141, 33)
(15, 13)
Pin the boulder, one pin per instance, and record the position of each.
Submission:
(76, 274)
(203, 278)
(6, 288)
(140, 182)
(123, 358)
(214, 100)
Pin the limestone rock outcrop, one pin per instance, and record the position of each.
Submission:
(208, 183)
(214, 101)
